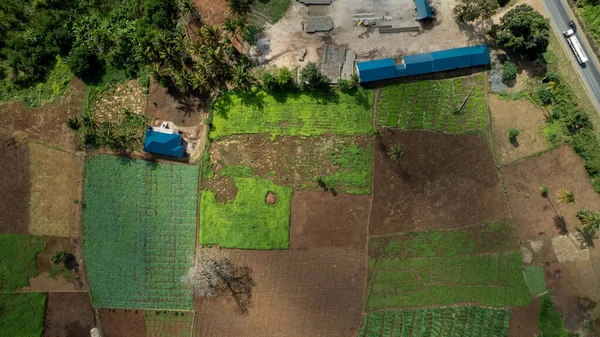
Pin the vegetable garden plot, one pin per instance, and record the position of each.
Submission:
(293, 114)
(491, 280)
(17, 256)
(432, 105)
(535, 280)
(169, 323)
(22, 314)
(139, 232)
(459, 321)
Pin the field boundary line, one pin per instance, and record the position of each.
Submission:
(367, 239)
(534, 155)
(443, 229)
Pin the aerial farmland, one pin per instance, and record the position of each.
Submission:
(246, 169)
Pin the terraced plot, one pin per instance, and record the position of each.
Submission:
(461, 321)
(139, 232)
(434, 105)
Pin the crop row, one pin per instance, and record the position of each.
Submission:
(459, 321)
(432, 105)
(169, 323)
(139, 232)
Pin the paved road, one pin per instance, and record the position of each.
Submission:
(560, 14)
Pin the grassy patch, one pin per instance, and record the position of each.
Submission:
(452, 321)
(247, 222)
(139, 226)
(169, 323)
(535, 280)
(293, 114)
(22, 314)
(53, 88)
(273, 10)
(551, 322)
(491, 280)
(355, 166)
(17, 253)
(238, 171)
(433, 105)
(590, 13)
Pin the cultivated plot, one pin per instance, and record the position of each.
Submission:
(434, 105)
(14, 183)
(18, 254)
(22, 314)
(452, 321)
(139, 232)
(119, 322)
(169, 323)
(292, 114)
(440, 181)
(68, 314)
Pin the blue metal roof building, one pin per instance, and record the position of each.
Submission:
(418, 64)
(376, 70)
(423, 9)
(163, 143)
(460, 58)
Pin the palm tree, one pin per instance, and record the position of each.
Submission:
(240, 77)
(589, 219)
(565, 196)
(242, 28)
(189, 12)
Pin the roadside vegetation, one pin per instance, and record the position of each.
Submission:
(589, 10)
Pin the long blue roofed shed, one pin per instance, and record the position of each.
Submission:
(376, 70)
(168, 144)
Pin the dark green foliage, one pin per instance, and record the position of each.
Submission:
(471, 10)
(523, 31)
(283, 81)
(83, 61)
(553, 76)
(18, 260)
(544, 191)
(545, 94)
(22, 314)
(312, 78)
(123, 135)
(509, 71)
(60, 257)
(239, 7)
(512, 134)
(551, 322)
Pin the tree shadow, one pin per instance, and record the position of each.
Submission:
(240, 285)
(561, 224)
(476, 31)
(253, 98)
(514, 142)
(223, 104)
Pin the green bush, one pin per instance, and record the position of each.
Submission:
(312, 78)
(60, 257)
(545, 94)
(550, 320)
(512, 134)
(509, 71)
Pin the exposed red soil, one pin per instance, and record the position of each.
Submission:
(68, 315)
(181, 110)
(441, 182)
(309, 292)
(524, 320)
(123, 323)
(533, 214)
(320, 219)
(47, 124)
(213, 12)
(14, 184)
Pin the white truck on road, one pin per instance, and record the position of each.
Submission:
(575, 45)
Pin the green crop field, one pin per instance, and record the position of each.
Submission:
(22, 315)
(535, 280)
(292, 114)
(17, 253)
(139, 230)
(432, 105)
(355, 169)
(247, 222)
(459, 321)
(169, 323)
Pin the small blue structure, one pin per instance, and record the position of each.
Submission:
(376, 70)
(425, 63)
(423, 9)
(168, 144)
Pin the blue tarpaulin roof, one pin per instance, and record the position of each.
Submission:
(163, 143)
(423, 9)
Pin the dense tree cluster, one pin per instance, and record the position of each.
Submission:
(523, 31)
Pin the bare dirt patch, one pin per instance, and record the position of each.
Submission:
(271, 198)
(68, 315)
(14, 183)
(110, 104)
(521, 115)
(213, 12)
(524, 320)
(55, 191)
(47, 124)
(309, 292)
(535, 215)
(441, 182)
(181, 110)
(122, 322)
(542, 254)
(576, 289)
(320, 219)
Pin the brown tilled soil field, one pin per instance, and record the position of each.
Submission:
(320, 219)
(120, 323)
(47, 124)
(170, 107)
(441, 182)
(308, 292)
(14, 183)
(520, 115)
(69, 315)
(535, 215)
(524, 320)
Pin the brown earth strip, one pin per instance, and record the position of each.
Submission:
(535, 215)
(68, 315)
(320, 219)
(14, 183)
(441, 182)
(524, 321)
(123, 322)
(309, 292)
(213, 12)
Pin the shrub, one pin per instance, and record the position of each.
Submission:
(83, 61)
(59, 257)
(545, 94)
(565, 196)
(544, 191)
(509, 71)
(396, 153)
(553, 76)
(312, 78)
(269, 82)
(512, 134)
(285, 78)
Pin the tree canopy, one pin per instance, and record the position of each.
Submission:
(523, 31)
(471, 10)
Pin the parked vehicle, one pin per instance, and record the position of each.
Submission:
(575, 45)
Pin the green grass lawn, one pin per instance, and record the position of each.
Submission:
(293, 114)
(17, 253)
(139, 229)
(535, 280)
(460, 321)
(273, 10)
(431, 105)
(22, 315)
(247, 222)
